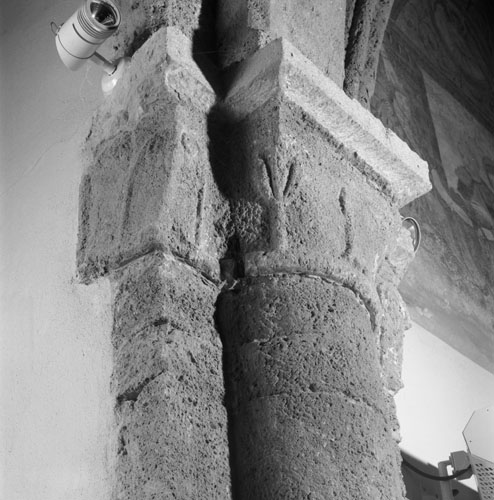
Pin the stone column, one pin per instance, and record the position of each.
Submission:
(312, 321)
(151, 218)
(315, 27)
(366, 24)
(295, 189)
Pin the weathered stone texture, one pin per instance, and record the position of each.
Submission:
(315, 184)
(307, 406)
(245, 26)
(299, 188)
(364, 41)
(155, 294)
(279, 69)
(318, 212)
(394, 320)
(312, 329)
(149, 184)
(168, 383)
(152, 218)
(145, 17)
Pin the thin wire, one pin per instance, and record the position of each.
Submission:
(418, 232)
(54, 27)
(432, 476)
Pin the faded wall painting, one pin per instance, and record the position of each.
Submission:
(435, 89)
(455, 40)
(467, 157)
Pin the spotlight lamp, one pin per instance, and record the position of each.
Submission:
(80, 36)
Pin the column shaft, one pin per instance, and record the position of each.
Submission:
(307, 411)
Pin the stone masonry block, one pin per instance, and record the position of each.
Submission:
(142, 18)
(330, 448)
(158, 289)
(293, 334)
(280, 70)
(173, 433)
(149, 184)
(314, 179)
(320, 214)
(394, 320)
(308, 413)
(245, 26)
(168, 383)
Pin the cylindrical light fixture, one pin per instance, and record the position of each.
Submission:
(80, 36)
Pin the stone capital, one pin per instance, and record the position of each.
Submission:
(281, 70)
(314, 179)
(149, 184)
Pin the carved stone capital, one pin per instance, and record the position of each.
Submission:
(149, 185)
(315, 180)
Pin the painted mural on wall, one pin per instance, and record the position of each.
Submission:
(467, 157)
(400, 101)
(455, 40)
(435, 90)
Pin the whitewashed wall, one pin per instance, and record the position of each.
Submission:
(55, 353)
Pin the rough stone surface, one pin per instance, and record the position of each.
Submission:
(168, 382)
(303, 205)
(142, 18)
(245, 26)
(313, 326)
(394, 320)
(149, 184)
(365, 36)
(308, 414)
(280, 69)
(312, 193)
(313, 188)
(299, 188)
(153, 292)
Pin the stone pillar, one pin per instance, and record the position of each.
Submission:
(366, 24)
(295, 189)
(312, 321)
(151, 218)
(315, 27)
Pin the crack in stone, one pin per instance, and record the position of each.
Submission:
(348, 223)
(370, 303)
(154, 248)
(206, 277)
(132, 394)
(199, 214)
(159, 250)
(344, 394)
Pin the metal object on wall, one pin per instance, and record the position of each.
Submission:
(78, 38)
(413, 227)
(479, 436)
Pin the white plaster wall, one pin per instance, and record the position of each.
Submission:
(55, 353)
(442, 388)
